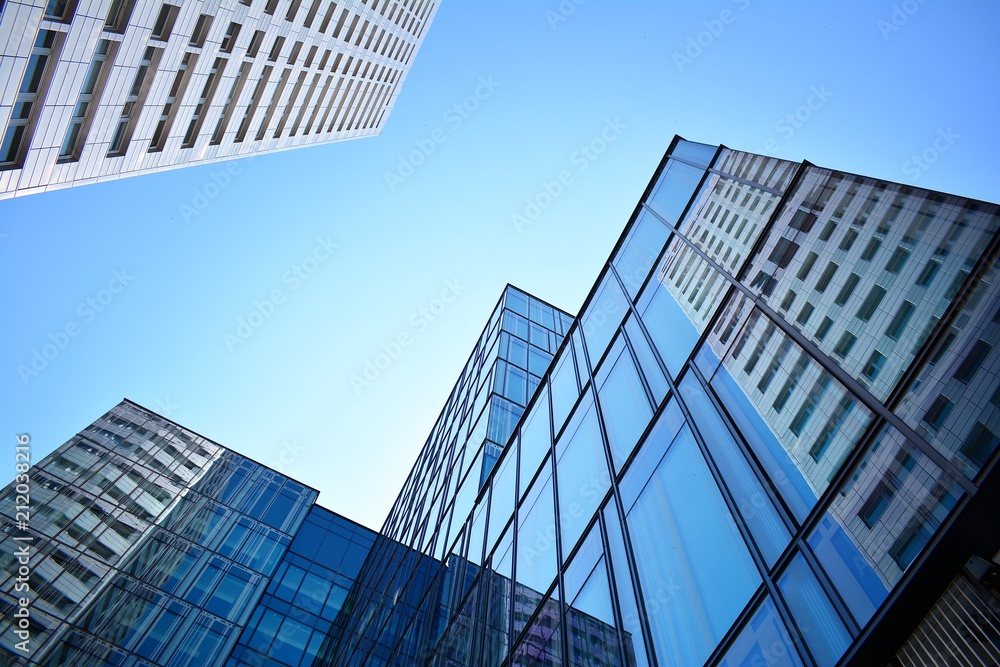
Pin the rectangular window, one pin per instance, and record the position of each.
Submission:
(823, 328)
(229, 41)
(927, 275)
(311, 15)
(164, 24)
(118, 15)
(803, 221)
(900, 320)
(845, 344)
(30, 99)
(784, 251)
(273, 103)
(807, 265)
(979, 445)
(826, 276)
(255, 42)
(874, 365)
(330, 11)
(897, 260)
(828, 230)
(276, 48)
(832, 427)
(134, 102)
(973, 362)
(83, 111)
(293, 9)
(787, 301)
(804, 314)
(201, 29)
(876, 504)
(871, 303)
(847, 290)
(849, 238)
(270, 6)
(60, 10)
(938, 412)
(801, 419)
(873, 245)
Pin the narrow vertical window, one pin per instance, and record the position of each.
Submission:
(83, 111)
(134, 102)
(204, 102)
(169, 112)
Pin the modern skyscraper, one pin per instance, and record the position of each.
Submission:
(103, 90)
(769, 438)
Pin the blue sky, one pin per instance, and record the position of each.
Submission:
(358, 247)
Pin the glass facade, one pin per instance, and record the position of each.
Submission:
(769, 437)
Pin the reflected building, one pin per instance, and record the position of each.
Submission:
(770, 437)
(107, 89)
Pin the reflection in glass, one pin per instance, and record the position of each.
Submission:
(695, 589)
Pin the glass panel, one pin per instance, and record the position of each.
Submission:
(677, 184)
(624, 404)
(593, 637)
(498, 609)
(639, 251)
(501, 499)
(542, 645)
(763, 641)
(603, 315)
(694, 590)
(581, 472)
(642, 467)
(699, 154)
(824, 632)
(881, 519)
(755, 505)
(536, 546)
(665, 310)
(536, 438)
(635, 649)
(565, 390)
(964, 371)
(801, 436)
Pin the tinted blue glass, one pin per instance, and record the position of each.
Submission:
(641, 248)
(581, 472)
(670, 328)
(859, 584)
(819, 623)
(536, 540)
(590, 551)
(755, 506)
(631, 628)
(602, 317)
(501, 499)
(642, 467)
(700, 154)
(787, 477)
(677, 184)
(624, 404)
(516, 301)
(647, 362)
(695, 589)
(593, 639)
(536, 438)
(763, 641)
(565, 391)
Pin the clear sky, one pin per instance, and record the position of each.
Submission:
(903, 91)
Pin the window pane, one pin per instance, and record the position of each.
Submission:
(821, 627)
(624, 404)
(695, 589)
(581, 472)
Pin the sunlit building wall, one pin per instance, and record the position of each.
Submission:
(103, 90)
